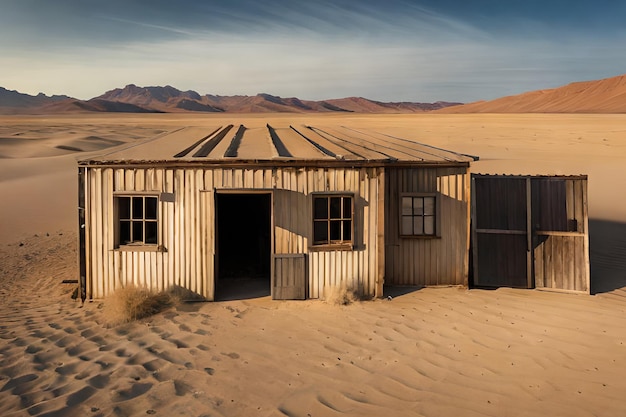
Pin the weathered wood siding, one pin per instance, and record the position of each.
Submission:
(289, 277)
(531, 232)
(440, 260)
(185, 258)
(561, 239)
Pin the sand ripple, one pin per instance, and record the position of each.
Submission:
(432, 352)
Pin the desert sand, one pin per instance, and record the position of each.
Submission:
(424, 352)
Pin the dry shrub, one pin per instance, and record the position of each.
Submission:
(340, 295)
(133, 303)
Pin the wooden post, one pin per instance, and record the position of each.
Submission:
(468, 231)
(529, 235)
(380, 234)
(82, 261)
(474, 226)
(586, 234)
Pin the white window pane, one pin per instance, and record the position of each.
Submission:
(418, 206)
(407, 225)
(429, 206)
(407, 208)
(429, 225)
(418, 227)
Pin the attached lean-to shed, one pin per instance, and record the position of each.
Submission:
(530, 232)
(293, 210)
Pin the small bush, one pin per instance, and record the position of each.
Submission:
(340, 295)
(133, 303)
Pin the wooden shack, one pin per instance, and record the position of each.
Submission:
(294, 209)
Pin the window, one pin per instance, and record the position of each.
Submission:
(137, 220)
(332, 220)
(418, 216)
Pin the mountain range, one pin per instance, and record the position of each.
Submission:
(134, 99)
(600, 96)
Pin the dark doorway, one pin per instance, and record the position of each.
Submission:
(243, 246)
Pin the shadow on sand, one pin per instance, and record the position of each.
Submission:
(396, 291)
(242, 289)
(607, 259)
(607, 255)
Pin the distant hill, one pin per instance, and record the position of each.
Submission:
(169, 99)
(16, 100)
(134, 99)
(601, 96)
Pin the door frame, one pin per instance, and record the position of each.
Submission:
(241, 191)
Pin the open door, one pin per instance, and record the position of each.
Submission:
(243, 245)
(289, 281)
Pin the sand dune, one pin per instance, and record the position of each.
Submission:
(601, 96)
(429, 352)
(36, 141)
(38, 170)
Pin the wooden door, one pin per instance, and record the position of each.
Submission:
(560, 238)
(500, 232)
(289, 280)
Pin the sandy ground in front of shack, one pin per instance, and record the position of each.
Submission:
(430, 352)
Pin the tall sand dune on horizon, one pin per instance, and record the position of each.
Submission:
(598, 96)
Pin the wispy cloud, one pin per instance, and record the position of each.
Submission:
(407, 50)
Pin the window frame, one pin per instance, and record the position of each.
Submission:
(117, 221)
(333, 244)
(436, 215)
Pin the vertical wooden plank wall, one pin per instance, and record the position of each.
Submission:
(289, 277)
(185, 258)
(356, 268)
(441, 260)
(561, 244)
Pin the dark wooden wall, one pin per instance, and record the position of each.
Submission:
(530, 232)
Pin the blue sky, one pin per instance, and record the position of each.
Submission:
(391, 50)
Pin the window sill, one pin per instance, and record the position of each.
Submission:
(332, 247)
(141, 248)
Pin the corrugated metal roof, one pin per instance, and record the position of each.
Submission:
(264, 143)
